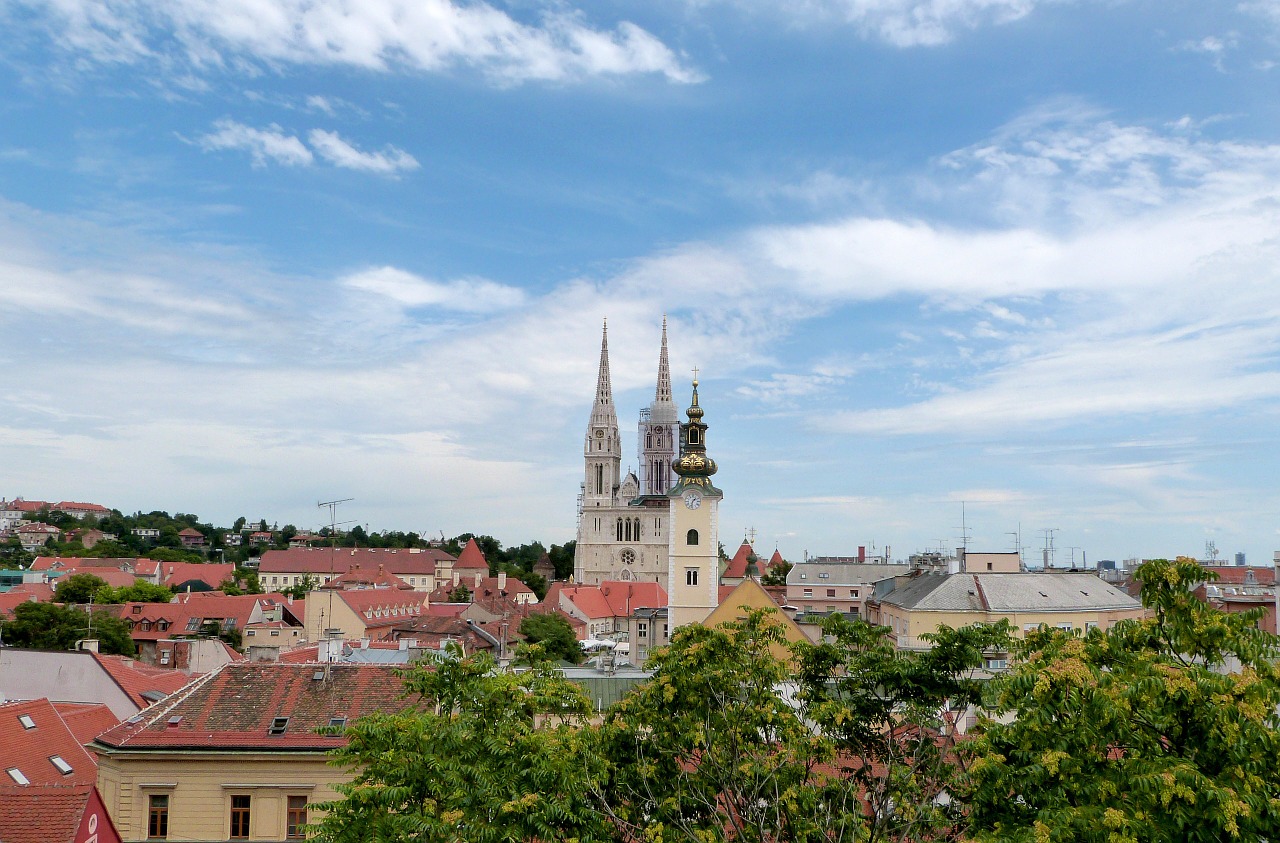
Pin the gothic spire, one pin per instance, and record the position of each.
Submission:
(663, 393)
(603, 414)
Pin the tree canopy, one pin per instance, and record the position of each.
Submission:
(79, 588)
(555, 635)
(1158, 729)
(48, 626)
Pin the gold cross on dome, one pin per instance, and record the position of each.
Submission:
(695, 374)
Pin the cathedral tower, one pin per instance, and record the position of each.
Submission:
(603, 446)
(693, 542)
(659, 426)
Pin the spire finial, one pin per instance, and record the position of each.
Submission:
(663, 392)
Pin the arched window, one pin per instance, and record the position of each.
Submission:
(691, 538)
(619, 529)
(693, 436)
(599, 480)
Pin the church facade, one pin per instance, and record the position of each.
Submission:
(624, 521)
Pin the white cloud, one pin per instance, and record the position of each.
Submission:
(340, 153)
(263, 145)
(469, 295)
(902, 23)
(379, 35)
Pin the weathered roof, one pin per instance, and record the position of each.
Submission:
(211, 574)
(1000, 593)
(236, 706)
(737, 567)
(843, 573)
(323, 560)
(612, 598)
(141, 681)
(50, 814)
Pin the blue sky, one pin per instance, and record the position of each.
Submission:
(1012, 256)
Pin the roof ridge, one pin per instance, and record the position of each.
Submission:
(176, 699)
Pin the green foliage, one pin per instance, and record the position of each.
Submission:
(300, 589)
(12, 554)
(561, 556)
(460, 594)
(709, 750)
(486, 756)
(140, 592)
(777, 575)
(78, 588)
(47, 626)
(555, 635)
(175, 554)
(1159, 729)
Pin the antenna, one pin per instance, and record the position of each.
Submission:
(1049, 551)
(964, 529)
(332, 506)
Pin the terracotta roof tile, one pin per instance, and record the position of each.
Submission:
(86, 720)
(236, 705)
(737, 568)
(323, 560)
(10, 600)
(31, 749)
(211, 573)
(471, 557)
(137, 679)
(49, 814)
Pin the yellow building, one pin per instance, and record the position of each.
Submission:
(693, 545)
(749, 595)
(1071, 601)
(236, 755)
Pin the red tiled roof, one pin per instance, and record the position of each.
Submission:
(111, 576)
(136, 678)
(471, 557)
(610, 599)
(191, 532)
(41, 591)
(54, 563)
(1230, 574)
(323, 560)
(234, 708)
(737, 568)
(86, 720)
(74, 506)
(445, 610)
(11, 600)
(145, 567)
(356, 577)
(776, 559)
(51, 814)
(31, 750)
(383, 606)
(30, 506)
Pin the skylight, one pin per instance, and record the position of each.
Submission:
(16, 775)
(26, 721)
(61, 764)
(278, 725)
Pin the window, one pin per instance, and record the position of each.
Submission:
(824, 576)
(853, 592)
(17, 776)
(278, 726)
(808, 592)
(240, 806)
(158, 817)
(61, 763)
(831, 592)
(296, 818)
(26, 721)
(642, 630)
(690, 576)
(691, 538)
(599, 478)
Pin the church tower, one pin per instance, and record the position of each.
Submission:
(603, 446)
(659, 427)
(693, 542)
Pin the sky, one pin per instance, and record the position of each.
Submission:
(950, 270)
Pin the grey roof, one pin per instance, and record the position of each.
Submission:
(1026, 592)
(843, 573)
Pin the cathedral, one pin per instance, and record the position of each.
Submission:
(623, 521)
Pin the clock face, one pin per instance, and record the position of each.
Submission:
(599, 434)
(692, 500)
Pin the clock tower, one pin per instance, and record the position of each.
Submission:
(693, 543)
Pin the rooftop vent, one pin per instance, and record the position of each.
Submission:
(174, 721)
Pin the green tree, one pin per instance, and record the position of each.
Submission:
(12, 554)
(555, 635)
(47, 626)
(711, 750)
(109, 549)
(302, 588)
(78, 588)
(460, 594)
(484, 756)
(173, 554)
(140, 592)
(1158, 729)
(561, 556)
(777, 575)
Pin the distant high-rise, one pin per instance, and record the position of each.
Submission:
(1240, 563)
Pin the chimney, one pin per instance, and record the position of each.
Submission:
(89, 645)
(364, 643)
(862, 553)
(408, 643)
